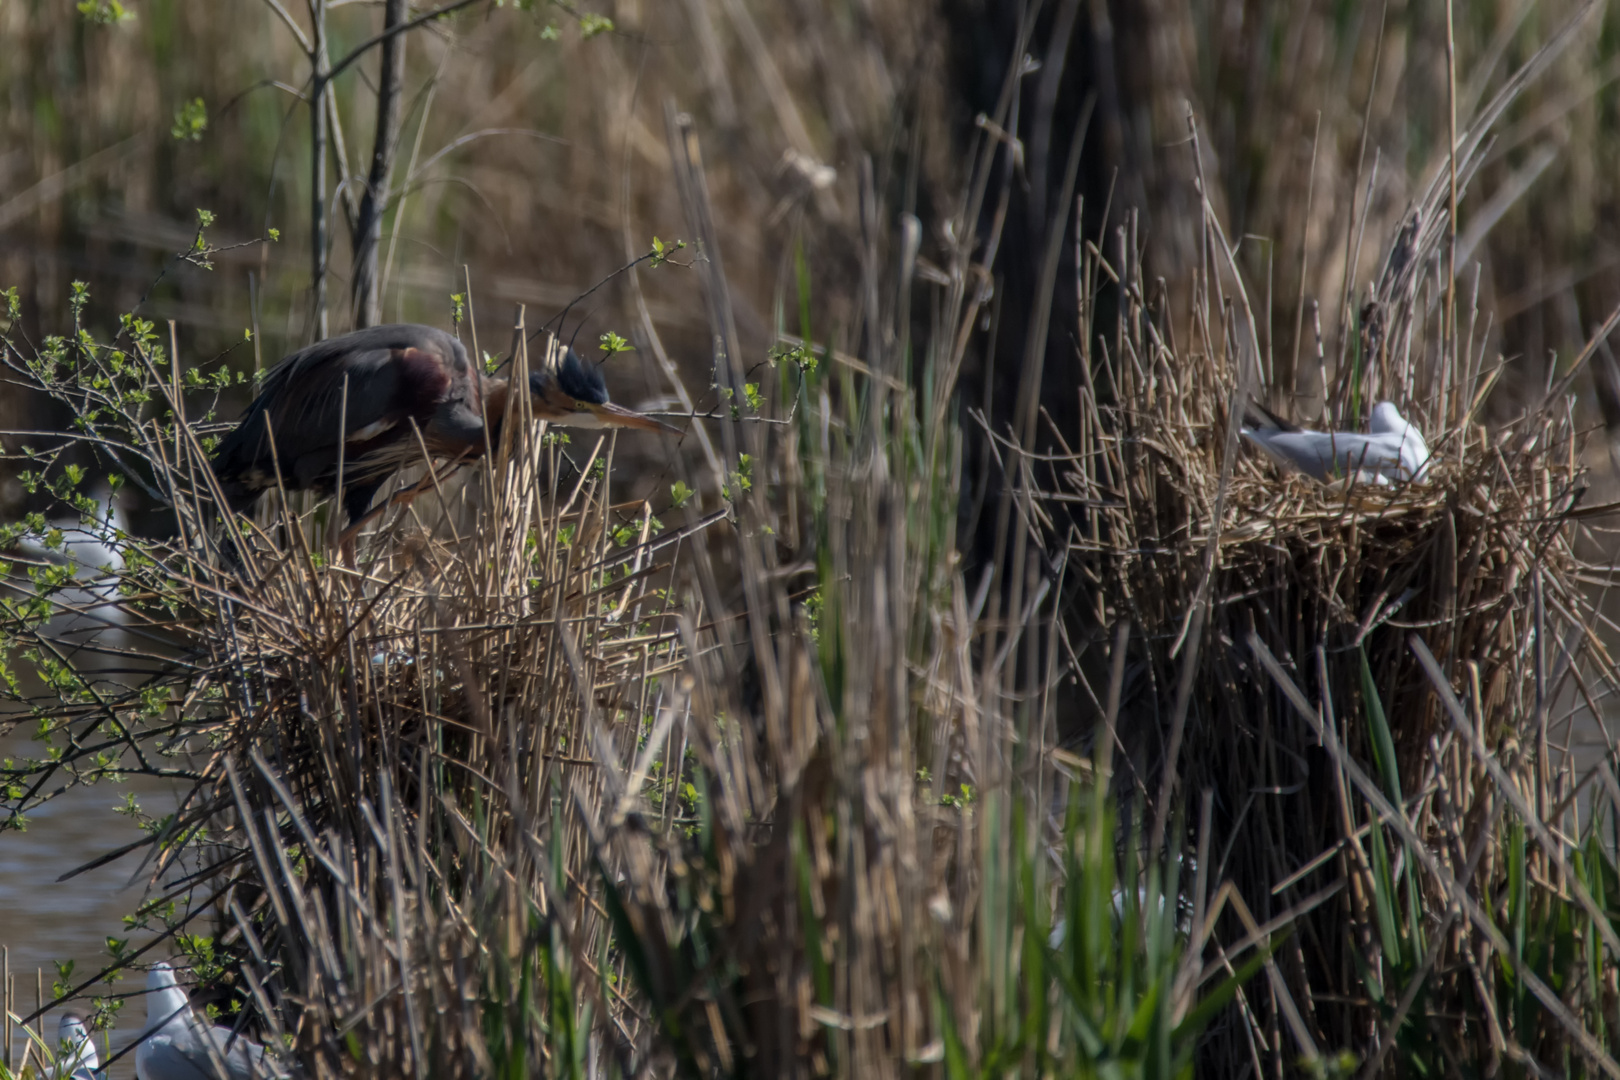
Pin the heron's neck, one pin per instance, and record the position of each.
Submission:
(496, 394)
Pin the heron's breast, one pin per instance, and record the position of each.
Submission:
(456, 426)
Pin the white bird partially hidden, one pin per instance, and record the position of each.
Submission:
(95, 551)
(176, 1045)
(76, 1057)
(1392, 450)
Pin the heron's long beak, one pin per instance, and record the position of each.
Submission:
(617, 416)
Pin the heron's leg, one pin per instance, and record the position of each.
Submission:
(399, 498)
(356, 506)
(357, 500)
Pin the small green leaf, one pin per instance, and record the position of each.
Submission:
(104, 12)
(661, 251)
(205, 218)
(190, 121)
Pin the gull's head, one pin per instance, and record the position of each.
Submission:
(74, 1046)
(1414, 452)
(164, 998)
(1387, 419)
(160, 977)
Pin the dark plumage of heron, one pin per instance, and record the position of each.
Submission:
(362, 398)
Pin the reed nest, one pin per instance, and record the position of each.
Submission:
(1458, 559)
(356, 749)
(1441, 632)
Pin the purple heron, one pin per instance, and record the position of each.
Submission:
(359, 399)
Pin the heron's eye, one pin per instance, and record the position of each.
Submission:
(580, 406)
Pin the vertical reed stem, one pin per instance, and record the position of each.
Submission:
(1451, 158)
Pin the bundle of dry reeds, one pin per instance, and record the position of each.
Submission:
(359, 748)
(1440, 633)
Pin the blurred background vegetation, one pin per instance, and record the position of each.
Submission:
(533, 151)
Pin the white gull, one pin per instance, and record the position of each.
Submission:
(76, 1057)
(176, 1045)
(1392, 450)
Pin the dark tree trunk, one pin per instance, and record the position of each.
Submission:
(366, 297)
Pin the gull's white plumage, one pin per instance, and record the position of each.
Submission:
(94, 551)
(176, 1045)
(76, 1057)
(1392, 450)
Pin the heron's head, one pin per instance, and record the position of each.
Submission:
(573, 395)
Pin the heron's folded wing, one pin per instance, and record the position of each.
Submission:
(363, 391)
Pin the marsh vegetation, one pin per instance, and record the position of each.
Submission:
(898, 718)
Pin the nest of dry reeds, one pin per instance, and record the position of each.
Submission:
(1438, 632)
(1354, 568)
(368, 756)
